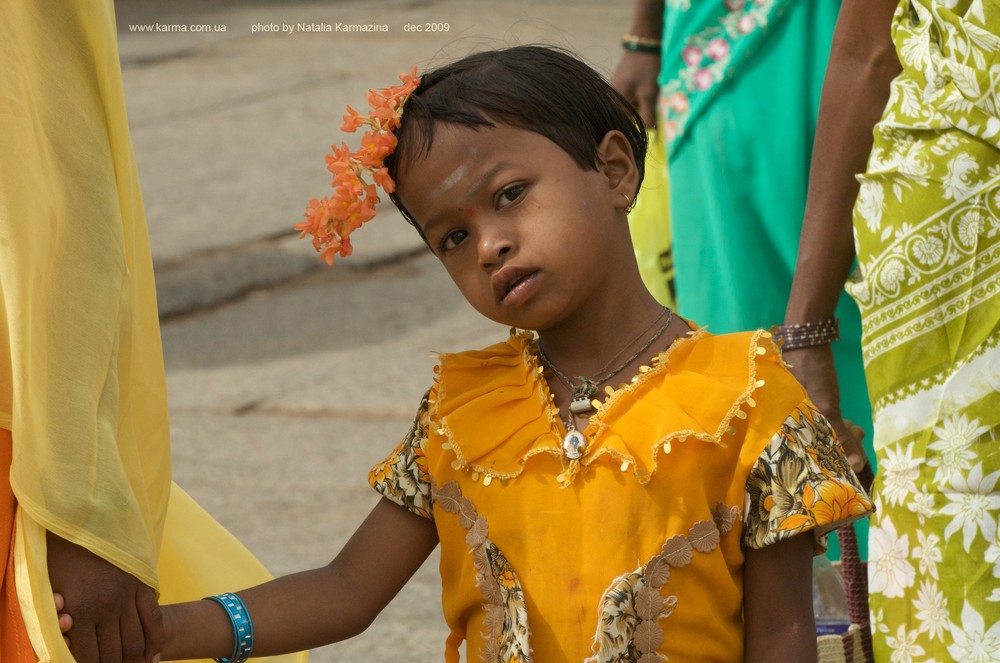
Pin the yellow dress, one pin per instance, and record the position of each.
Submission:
(82, 389)
(635, 550)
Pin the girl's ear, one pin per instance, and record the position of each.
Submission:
(617, 163)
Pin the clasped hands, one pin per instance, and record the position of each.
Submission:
(106, 615)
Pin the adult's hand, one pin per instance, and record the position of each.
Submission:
(115, 617)
(814, 368)
(636, 78)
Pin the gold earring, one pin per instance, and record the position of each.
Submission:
(628, 201)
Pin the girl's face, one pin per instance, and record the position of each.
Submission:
(530, 239)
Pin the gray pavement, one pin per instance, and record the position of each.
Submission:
(294, 376)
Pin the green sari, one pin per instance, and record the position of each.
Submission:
(740, 92)
(927, 222)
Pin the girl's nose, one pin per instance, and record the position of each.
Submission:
(493, 248)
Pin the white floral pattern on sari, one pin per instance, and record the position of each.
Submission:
(927, 227)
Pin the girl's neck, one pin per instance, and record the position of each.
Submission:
(585, 344)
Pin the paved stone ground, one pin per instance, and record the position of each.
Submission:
(280, 370)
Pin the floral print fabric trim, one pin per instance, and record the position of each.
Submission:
(801, 482)
(506, 614)
(631, 610)
(403, 477)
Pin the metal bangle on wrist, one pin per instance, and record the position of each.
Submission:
(806, 334)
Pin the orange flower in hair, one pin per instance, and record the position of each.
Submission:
(358, 175)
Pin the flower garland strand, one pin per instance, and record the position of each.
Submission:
(331, 220)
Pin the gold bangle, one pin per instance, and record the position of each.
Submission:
(637, 44)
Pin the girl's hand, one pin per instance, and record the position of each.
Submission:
(814, 368)
(114, 616)
(65, 619)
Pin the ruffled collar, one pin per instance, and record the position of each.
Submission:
(495, 410)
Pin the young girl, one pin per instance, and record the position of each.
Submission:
(612, 485)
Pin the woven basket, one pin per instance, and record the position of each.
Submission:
(846, 648)
(854, 646)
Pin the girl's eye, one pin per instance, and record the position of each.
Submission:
(510, 195)
(452, 239)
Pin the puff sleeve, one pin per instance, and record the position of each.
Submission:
(801, 482)
(402, 476)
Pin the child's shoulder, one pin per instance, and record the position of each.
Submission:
(516, 344)
(506, 363)
(514, 355)
(750, 359)
(734, 351)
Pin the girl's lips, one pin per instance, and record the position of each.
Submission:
(511, 285)
(520, 290)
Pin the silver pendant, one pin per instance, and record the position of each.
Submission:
(574, 444)
(580, 405)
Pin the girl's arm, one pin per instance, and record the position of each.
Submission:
(862, 64)
(777, 602)
(316, 607)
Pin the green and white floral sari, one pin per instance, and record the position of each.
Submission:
(927, 223)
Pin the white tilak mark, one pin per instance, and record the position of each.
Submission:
(453, 179)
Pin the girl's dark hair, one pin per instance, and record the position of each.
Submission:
(535, 88)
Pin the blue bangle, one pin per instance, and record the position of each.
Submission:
(239, 616)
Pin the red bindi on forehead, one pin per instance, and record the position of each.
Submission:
(469, 213)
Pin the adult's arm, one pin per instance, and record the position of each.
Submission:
(862, 64)
(637, 74)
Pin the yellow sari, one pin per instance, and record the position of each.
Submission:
(82, 389)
